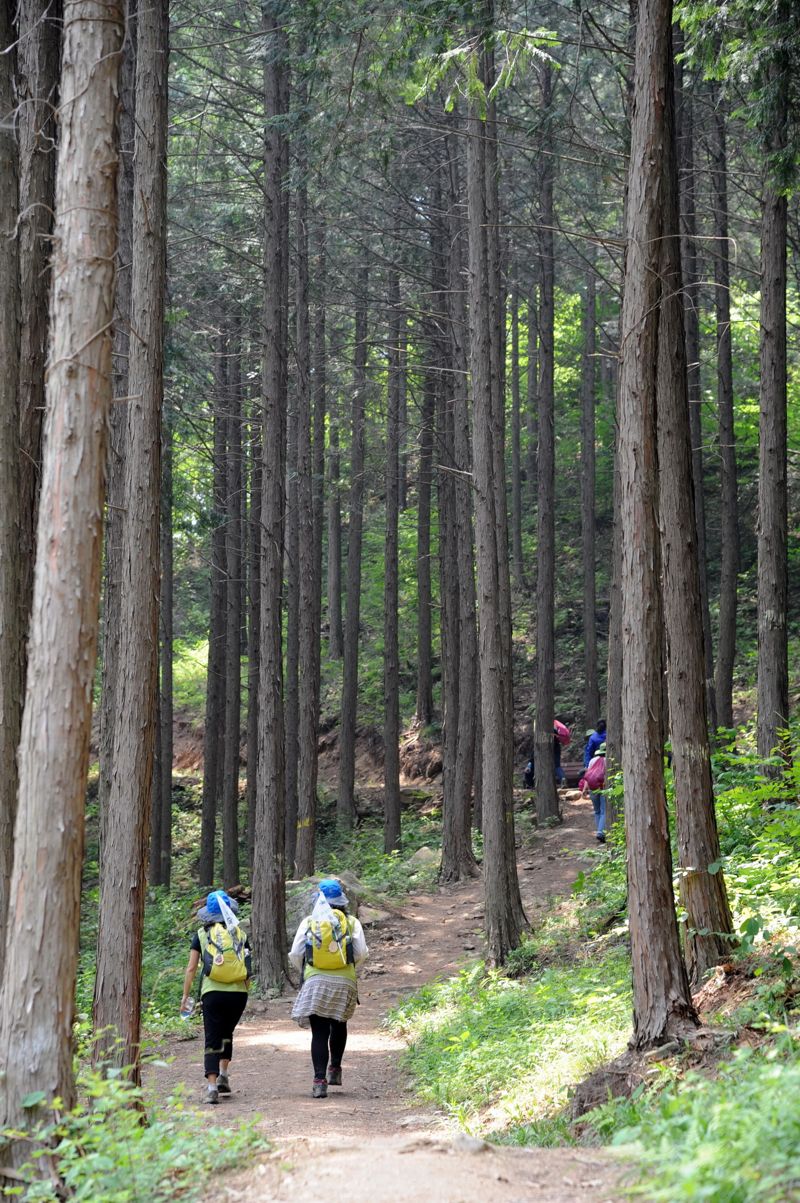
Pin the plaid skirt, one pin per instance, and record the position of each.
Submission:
(327, 995)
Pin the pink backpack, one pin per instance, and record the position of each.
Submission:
(595, 775)
(561, 732)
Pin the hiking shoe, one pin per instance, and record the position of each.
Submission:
(601, 837)
(212, 1095)
(223, 1085)
(319, 1089)
(335, 1075)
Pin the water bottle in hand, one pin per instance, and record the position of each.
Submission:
(187, 1008)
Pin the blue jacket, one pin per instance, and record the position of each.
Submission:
(592, 744)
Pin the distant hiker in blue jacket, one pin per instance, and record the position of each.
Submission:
(597, 736)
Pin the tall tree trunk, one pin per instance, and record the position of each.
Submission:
(591, 689)
(335, 628)
(547, 807)
(662, 1004)
(233, 617)
(516, 449)
(773, 663)
(269, 895)
(123, 865)
(691, 318)
(391, 652)
(729, 516)
(403, 359)
(502, 905)
(460, 717)
(424, 591)
(703, 894)
(291, 686)
(214, 731)
(532, 400)
(615, 657)
(167, 634)
(39, 25)
(38, 995)
(345, 803)
(11, 617)
(253, 628)
(308, 696)
(118, 425)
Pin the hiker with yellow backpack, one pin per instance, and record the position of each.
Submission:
(328, 947)
(221, 948)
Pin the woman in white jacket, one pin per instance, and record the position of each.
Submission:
(329, 993)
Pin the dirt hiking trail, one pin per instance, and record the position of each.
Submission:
(373, 1141)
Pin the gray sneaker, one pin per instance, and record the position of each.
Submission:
(223, 1085)
(212, 1095)
(319, 1089)
(334, 1075)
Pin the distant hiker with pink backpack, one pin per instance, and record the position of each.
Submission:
(593, 782)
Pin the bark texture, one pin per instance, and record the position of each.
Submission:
(773, 651)
(729, 515)
(391, 654)
(39, 45)
(38, 995)
(546, 796)
(117, 995)
(662, 1002)
(345, 802)
(11, 616)
(269, 900)
(709, 922)
(591, 689)
(503, 908)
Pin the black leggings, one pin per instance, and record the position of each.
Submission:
(326, 1033)
(222, 1010)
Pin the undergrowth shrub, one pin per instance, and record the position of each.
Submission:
(114, 1148)
(731, 1138)
(499, 1053)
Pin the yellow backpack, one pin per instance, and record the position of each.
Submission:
(329, 942)
(225, 957)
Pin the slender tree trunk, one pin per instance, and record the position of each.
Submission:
(516, 449)
(661, 999)
(729, 516)
(291, 688)
(703, 894)
(233, 618)
(214, 734)
(38, 994)
(309, 591)
(391, 652)
(424, 591)
(253, 628)
(403, 360)
(118, 425)
(39, 24)
(532, 400)
(773, 663)
(691, 318)
(458, 860)
(614, 669)
(501, 906)
(335, 629)
(11, 617)
(547, 807)
(269, 897)
(123, 866)
(591, 688)
(345, 804)
(167, 634)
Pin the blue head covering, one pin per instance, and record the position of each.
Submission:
(332, 889)
(212, 911)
